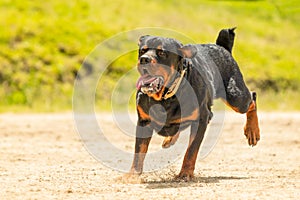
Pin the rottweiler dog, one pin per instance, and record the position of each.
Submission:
(176, 90)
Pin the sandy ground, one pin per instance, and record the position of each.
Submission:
(43, 157)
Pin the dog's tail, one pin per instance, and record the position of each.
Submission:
(226, 38)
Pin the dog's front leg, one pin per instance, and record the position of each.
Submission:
(142, 140)
(197, 133)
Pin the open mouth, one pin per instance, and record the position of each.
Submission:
(150, 84)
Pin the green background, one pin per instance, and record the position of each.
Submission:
(43, 44)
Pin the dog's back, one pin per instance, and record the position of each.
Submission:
(216, 60)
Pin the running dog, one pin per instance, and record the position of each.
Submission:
(182, 81)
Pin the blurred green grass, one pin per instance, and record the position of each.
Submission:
(43, 44)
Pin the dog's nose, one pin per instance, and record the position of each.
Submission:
(145, 59)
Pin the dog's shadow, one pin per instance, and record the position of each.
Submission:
(175, 183)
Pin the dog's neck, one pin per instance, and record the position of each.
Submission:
(184, 66)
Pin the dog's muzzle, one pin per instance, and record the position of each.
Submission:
(150, 84)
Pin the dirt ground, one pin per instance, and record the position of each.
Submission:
(43, 157)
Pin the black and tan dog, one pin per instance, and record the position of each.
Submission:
(176, 90)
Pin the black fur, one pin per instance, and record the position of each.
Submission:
(213, 73)
(226, 38)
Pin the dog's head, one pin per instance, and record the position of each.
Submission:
(160, 59)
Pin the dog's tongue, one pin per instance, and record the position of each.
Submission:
(144, 80)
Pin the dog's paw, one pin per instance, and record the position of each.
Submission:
(251, 129)
(252, 132)
(169, 141)
(185, 176)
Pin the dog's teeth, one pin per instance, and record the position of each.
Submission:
(144, 90)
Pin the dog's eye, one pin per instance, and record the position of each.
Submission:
(161, 53)
(143, 51)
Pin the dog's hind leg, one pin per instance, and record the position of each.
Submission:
(235, 92)
(251, 129)
(246, 105)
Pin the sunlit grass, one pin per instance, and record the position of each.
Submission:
(42, 44)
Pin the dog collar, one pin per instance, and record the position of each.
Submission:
(174, 87)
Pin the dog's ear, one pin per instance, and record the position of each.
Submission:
(142, 38)
(188, 51)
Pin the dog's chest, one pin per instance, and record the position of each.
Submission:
(168, 117)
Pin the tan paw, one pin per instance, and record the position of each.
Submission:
(170, 140)
(251, 129)
(252, 133)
